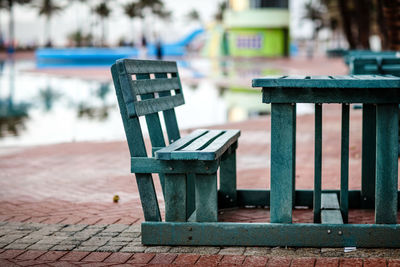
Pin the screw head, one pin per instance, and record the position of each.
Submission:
(170, 168)
(340, 233)
(329, 231)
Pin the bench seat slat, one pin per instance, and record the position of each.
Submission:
(331, 217)
(155, 85)
(209, 145)
(155, 105)
(329, 201)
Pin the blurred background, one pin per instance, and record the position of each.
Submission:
(55, 55)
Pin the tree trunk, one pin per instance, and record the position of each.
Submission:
(347, 23)
(363, 9)
(383, 31)
(391, 15)
(11, 28)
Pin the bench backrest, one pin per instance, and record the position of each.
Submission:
(145, 88)
(375, 65)
(366, 53)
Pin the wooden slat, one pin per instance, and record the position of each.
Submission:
(344, 162)
(272, 235)
(317, 163)
(281, 162)
(387, 130)
(202, 141)
(222, 143)
(149, 66)
(331, 217)
(375, 95)
(155, 85)
(165, 153)
(329, 201)
(329, 82)
(227, 178)
(154, 105)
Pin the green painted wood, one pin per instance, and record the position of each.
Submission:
(207, 145)
(331, 217)
(165, 153)
(344, 162)
(227, 178)
(375, 65)
(368, 155)
(348, 82)
(329, 201)
(282, 145)
(206, 198)
(152, 165)
(191, 190)
(155, 85)
(134, 66)
(387, 129)
(175, 198)
(333, 95)
(367, 53)
(294, 156)
(275, 234)
(260, 198)
(154, 105)
(317, 163)
(137, 148)
(203, 141)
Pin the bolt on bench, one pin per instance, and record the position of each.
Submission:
(188, 166)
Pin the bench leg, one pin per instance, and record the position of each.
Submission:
(175, 197)
(282, 162)
(206, 198)
(227, 178)
(386, 163)
(190, 194)
(368, 155)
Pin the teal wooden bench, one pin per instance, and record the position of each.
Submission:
(187, 166)
(375, 65)
(367, 53)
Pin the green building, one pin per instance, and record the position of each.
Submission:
(257, 28)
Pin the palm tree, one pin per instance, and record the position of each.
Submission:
(389, 22)
(9, 5)
(133, 10)
(48, 8)
(193, 15)
(103, 11)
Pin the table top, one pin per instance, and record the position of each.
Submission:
(338, 81)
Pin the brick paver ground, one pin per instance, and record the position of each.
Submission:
(56, 205)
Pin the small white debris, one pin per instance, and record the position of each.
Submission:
(350, 249)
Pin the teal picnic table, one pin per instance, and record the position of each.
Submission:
(381, 96)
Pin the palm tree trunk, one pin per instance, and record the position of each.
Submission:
(363, 22)
(391, 14)
(11, 27)
(347, 23)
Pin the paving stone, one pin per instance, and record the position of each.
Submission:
(10, 238)
(63, 247)
(86, 248)
(394, 263)
(181, 249)
(3, 245)
(158, 249)
(134, 228)
(74, 228)
(30, 255)
(186, 259)
(107, 234)
(230, 260)
(118, 257)
(209, 260)
(52, 255)
(30, 239)
(327, 262)
(62, 234)
(70, 241)
(279, 262)
(206, 250)
(7, 263)
(109, 248)
(96, 257)
(96, 241)
(255, 261)
(115, 228)
(303, 262)
(141, 258)
(40, 246)
(10, 254)
(129, 234)
(232, 251)
(51, 240)
(74, 256)
(257, 251)
(122, 239)
(163, 258)
(350, 262)
(17, 246)
(112, 243)
(376, 262)
(133, 249)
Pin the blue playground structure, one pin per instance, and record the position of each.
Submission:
(100, 57)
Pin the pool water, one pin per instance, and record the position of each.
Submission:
(38, 108)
